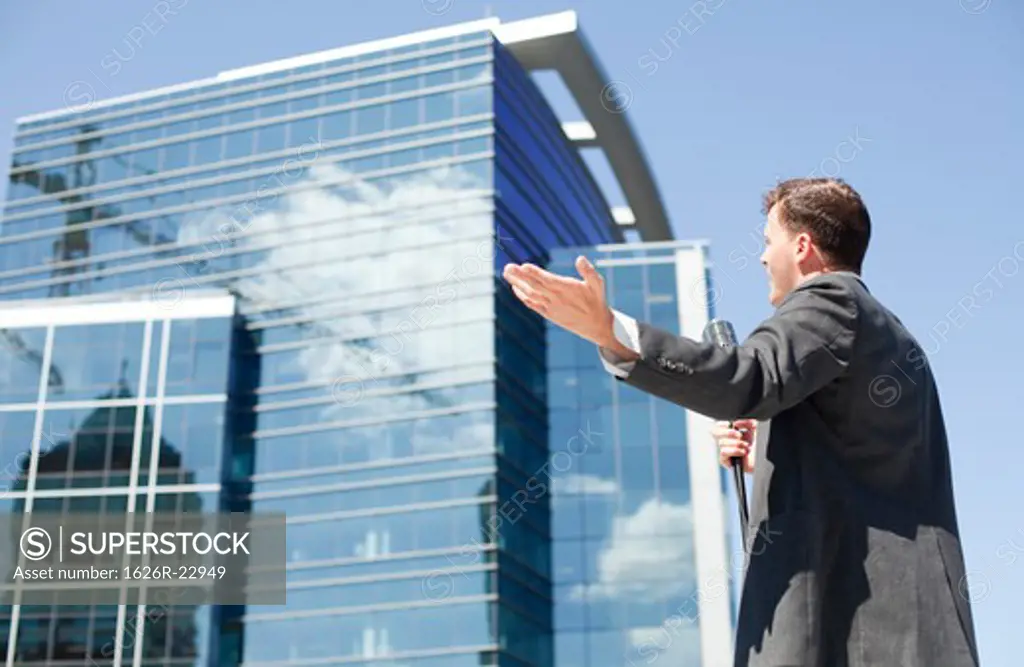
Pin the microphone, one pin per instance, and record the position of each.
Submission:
(721, 333)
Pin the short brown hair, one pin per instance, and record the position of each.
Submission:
(830, 211)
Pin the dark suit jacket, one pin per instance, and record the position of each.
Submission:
(855, 550)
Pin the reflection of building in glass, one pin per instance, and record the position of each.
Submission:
(98, 453)
(357, 205)
(128, 428)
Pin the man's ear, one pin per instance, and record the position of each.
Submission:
(804, 245)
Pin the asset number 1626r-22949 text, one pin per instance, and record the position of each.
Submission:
(175, 572)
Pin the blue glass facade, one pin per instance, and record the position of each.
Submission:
(374, 379)
(627, 586)
(107, 408)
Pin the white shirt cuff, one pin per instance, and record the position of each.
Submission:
(628, 333)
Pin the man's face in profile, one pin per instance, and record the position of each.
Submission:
(780, 258)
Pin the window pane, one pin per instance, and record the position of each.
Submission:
(239, 144)
(270, 138)
(21, 356)
(96, 361)
(370, 120)
(208, 150)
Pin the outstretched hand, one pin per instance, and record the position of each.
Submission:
(578, 306)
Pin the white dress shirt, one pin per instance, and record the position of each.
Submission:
(626, 332)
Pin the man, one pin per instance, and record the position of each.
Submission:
(855, 550)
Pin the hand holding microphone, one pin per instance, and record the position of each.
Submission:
(735, 441)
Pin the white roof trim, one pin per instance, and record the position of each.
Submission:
(284, 63)
(537, 27)
(361, 49)
(62, 312)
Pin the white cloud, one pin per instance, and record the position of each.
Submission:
(441, 440)
(416, 244)
(579, 484)
(638, 563)
(675, 642)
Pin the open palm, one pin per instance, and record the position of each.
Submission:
(576, 305)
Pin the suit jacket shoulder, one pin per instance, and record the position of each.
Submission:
(802, 347)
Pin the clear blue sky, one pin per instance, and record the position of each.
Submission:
(924, 94)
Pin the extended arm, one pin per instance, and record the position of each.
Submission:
(806, 344)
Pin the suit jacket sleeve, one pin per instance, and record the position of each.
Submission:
(806, 344)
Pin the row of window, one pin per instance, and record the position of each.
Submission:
(657, 643)
(344, 403)
(275, 170)
(153, 107)
(315, 212)
(302, 150)
(359, 363)
(377, 560)
(629, 481)
(582, 576)
(91, 361)
(397, 441)
(387, 471)
(94, 447)
(409, 89)
(633, 609)
(439, 625)
(97, 361)
(172, 633)
(175, 501)
(422, 308)
(330, 117)
(98, 443)
(411, 589)
(636, 514)
(635, 427)
(347, 389)
(449, 526)
(438, 576)
(378, 496)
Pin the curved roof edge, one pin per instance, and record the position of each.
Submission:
(555, 42)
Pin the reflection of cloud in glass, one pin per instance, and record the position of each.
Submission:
(411, 244)
(433, 437)
(579, 484)
(676, 642)
(637, 562)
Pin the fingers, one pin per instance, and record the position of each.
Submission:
(726, 454)
(723, 434)
(528, 292)
(539, 279)
(733, 447)
(589, 274)
(732, 442)
(721, 430)
(741, 428)
(538, 304)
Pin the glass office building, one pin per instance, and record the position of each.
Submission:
(278, 290)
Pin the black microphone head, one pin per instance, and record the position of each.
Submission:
(720, 332)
